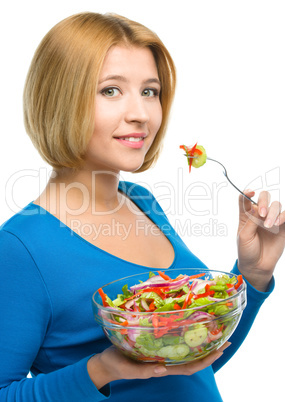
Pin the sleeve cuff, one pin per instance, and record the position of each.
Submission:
(97, 394)
(77, 384)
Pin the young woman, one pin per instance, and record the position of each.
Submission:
(96, 101)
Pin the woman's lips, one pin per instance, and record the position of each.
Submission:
(132, 141)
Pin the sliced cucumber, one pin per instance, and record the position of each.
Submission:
(199, 160)
(175, 352)
(196, 337)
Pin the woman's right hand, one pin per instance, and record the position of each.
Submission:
(112, 365)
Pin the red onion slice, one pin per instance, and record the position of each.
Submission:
(162, 283)
(214, 299)
(144, 304)
(129, 304)
(200, 284)
(200, 315)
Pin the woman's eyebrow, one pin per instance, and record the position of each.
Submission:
(152, 80)
(113, 77)
(124, 79)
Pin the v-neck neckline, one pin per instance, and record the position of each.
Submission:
(138, 202)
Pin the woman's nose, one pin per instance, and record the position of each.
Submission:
(137, 110)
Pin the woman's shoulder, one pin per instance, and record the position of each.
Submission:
(13, 232)
(28, 236)
(18, 217)
(29, 222)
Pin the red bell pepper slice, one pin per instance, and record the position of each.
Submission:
(196, 276)
(164, 276)
(209, 293)
(155, 290)
(160, 332)
(217, 330)
(103, 297)
(155, 320)
(190, 152)
(207, 288)
(152, 306)
(162, 324)
(124, 323)
(239, 282)
(187, 300)
(133, 296)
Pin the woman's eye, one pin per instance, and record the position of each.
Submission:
(110, 92)
(150, 92)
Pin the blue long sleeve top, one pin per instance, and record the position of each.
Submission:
(48, 274)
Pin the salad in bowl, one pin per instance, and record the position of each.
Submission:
(172, 317)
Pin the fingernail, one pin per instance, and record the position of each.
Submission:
(277, 222)
(263, 212)
(160, 370)
(268, 223)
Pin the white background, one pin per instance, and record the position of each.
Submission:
(230, 98)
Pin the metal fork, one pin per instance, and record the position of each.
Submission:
(226, 174)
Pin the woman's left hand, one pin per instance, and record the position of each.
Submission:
(261, 238)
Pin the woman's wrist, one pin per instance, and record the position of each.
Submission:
(259, 280)
(97, 371)
(258, 284)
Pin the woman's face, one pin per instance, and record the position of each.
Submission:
(128, 112)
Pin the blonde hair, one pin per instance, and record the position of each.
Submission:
(61, 84)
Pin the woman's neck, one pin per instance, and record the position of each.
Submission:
(81, 191)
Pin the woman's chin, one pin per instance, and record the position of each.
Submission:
(131, 169)
(131, 166)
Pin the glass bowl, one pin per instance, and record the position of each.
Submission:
(177, 336)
